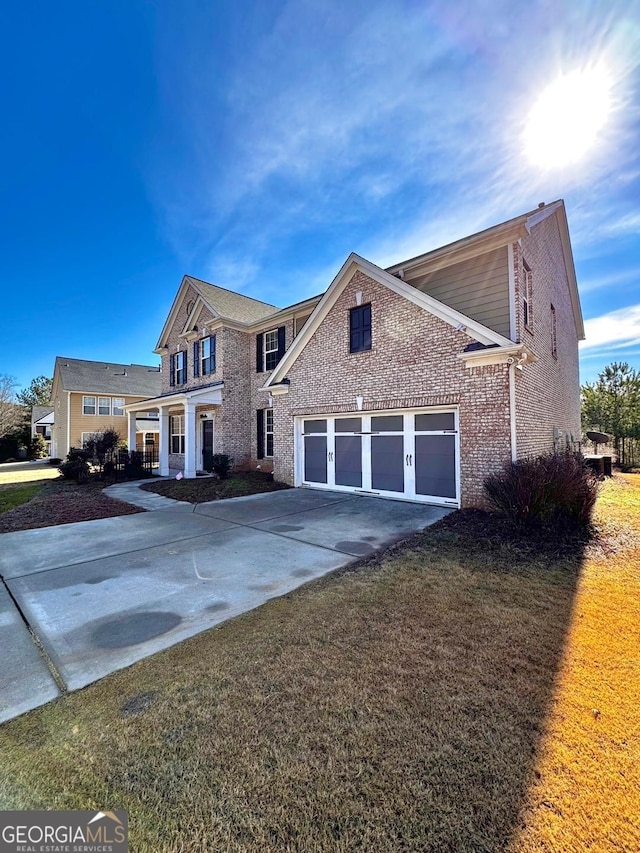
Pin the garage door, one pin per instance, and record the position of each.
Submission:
(411, 454)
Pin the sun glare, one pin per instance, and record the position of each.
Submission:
(565, 121)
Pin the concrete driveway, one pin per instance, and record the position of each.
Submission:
(82, 600)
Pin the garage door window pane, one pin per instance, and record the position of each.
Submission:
(348, 425)
(315, 426)
(387, 463)
(388, 423)
(315, 458)
(349, 460)
(435, 465)
(435, 422)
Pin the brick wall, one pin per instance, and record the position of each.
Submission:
(548, 392)
(412, 363)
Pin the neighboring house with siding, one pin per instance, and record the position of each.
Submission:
(89, 397)
(414, 381)
(42, 423)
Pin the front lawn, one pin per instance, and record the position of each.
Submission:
(461, 692)
(13, 496)
(202, 489)
(62, 502)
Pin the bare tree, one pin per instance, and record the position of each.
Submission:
(11, 414)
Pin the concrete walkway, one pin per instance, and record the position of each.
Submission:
(97, 596)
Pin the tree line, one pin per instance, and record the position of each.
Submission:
(15, 414)
(611, 404)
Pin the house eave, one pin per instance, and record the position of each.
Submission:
(520, 355)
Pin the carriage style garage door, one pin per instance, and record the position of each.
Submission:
(402, 454)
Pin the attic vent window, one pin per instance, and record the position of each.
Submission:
(190, 306)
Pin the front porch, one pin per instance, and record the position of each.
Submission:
(186, 427)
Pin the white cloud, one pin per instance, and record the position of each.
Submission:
(611, 280)
(615, 330)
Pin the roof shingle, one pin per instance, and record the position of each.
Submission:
(101, 377)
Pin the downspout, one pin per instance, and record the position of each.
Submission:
(68, 421)
(512, 409)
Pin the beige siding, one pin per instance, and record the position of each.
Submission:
(478, 288)
(93, 423)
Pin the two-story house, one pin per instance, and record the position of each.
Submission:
(89, 397)
(412, 382)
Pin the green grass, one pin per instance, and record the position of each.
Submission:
(439, 697)
(12, 496)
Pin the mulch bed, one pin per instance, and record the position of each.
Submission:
(204, 489)
(63, 502)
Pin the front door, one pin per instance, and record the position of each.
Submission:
(207, 445)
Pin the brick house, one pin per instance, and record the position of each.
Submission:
(88, 397)
(412, 382)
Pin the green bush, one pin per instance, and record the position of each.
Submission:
(75, 469)
(554, 489)
(37, 447)
(221, 465)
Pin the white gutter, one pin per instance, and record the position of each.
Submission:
(68, 421)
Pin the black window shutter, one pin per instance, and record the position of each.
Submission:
(172, 369)
(260, 414)
(213, 353)
(281, 333)
(196, 358)
(259, 346)
(366, 327)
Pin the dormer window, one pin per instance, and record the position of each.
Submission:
(527, 295)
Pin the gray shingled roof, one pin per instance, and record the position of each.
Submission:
(232, 306)
(38, 412)
(101, 377)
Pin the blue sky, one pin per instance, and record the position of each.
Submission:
(256, 144)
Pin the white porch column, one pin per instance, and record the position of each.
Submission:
(189, 440)
(131, 430)
(164, 442)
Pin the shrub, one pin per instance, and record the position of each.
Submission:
(54, 460)
(75, 469)
(37, 447)
(221, 465)
(552, 489)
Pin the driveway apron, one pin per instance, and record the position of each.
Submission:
(97, 596)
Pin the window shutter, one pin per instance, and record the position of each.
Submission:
(213, 353)
(366, 327)
(355, 330)
(260, 414)
(196, 358)
(281, 333)
(172, 369)
(259, 346)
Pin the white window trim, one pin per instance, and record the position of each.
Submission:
(108, 406)
(204, 358)
(114, 407)
(181, 355)
(179, 433)
(268, 432)
(527, 295)
(265, 351)
(95, 406)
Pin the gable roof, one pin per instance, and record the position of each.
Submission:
(224, 304)
(39, 412)
(100, 377)
(355, 262)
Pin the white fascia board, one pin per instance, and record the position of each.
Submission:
(206, 394)
(433, 306)
(571, 272)
(541, 215)
(185, 284)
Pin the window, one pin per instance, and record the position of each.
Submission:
(177, 433)
(88, 405)
(527, 294)
(208, 355)
(180, 368)
(118, 407)
(104, 406)
(270, 349)
(360, 328)
(268, 432)
(88, 436)
(554, 333)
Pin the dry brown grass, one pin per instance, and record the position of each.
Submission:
(28, 474)
(437, 699)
